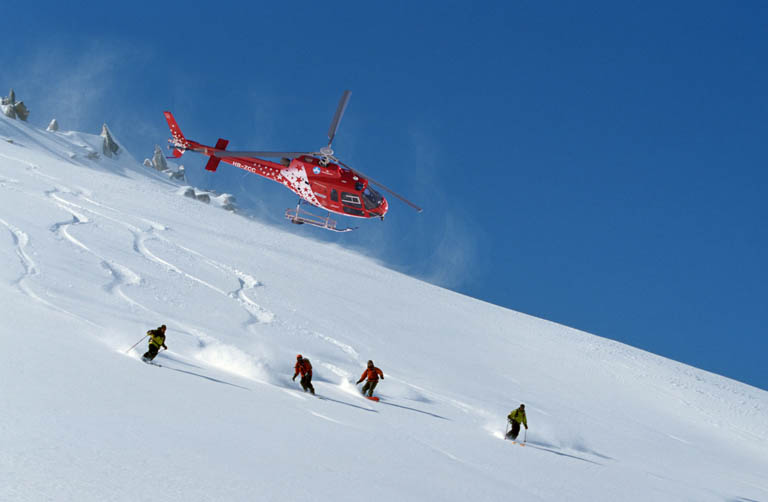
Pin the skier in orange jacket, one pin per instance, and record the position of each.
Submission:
(372, 374)
(304, 367)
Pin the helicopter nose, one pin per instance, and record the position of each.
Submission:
(383, 207)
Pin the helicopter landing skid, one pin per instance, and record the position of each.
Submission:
(299, 217)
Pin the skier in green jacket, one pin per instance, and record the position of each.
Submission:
(515, 418)
(156, 340)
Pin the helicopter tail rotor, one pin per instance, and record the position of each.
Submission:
(178, 140)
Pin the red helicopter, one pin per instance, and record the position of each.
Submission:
(318, 178)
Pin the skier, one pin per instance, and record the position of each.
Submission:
(304, 367)
(156, 340)
(515, 418)
(372, 373)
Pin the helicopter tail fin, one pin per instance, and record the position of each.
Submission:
(213, 162)
(178, 141)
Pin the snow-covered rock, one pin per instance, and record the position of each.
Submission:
(178, 174)
(10, 99)
(12, 108)
(158, 159)
(159, 163)
(109, 146)
(53, 126)
(225, 201)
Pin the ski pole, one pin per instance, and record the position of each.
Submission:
(525, 438)
(135, 344)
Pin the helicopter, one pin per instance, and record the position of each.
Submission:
(318, 178)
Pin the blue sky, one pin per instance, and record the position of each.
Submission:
(598, 164)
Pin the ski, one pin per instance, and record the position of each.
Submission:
(372, 398)
(145, 361)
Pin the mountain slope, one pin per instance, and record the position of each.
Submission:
(96, 252)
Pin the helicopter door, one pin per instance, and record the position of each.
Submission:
(334, 200)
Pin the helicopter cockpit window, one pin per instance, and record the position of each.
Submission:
(350, 199)
(371, 198)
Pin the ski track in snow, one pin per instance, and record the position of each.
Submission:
(336, 370)
(61, 228)
(4, 182)
(319, 415)
(246, 281)
(347, 349)
(121, 274)
(143, 237)
(21, 241)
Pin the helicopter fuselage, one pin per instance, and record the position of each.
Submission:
(325, 185)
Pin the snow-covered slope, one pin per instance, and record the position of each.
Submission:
(96, 252)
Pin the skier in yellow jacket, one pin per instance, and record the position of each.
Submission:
(515, 418)
(156, 340)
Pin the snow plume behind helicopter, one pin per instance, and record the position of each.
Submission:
(76, 88)
(455, 254)
(449, 232)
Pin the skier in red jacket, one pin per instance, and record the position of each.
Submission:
(372, 374)
(304, 367)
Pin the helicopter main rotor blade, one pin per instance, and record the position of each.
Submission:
(337, 117)
(227, 153)
(371, 180)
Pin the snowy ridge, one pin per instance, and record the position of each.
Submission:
(98, 251)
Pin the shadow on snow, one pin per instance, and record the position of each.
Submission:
(556, 452)
(199, 375)
(324, 398)
(414, 409)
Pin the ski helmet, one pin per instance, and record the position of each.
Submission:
(298, 356)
